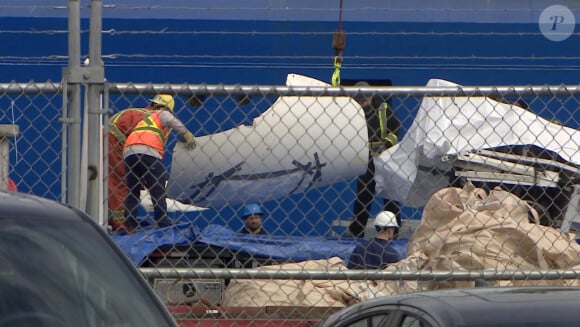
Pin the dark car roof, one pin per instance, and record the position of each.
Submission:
(14, 204)
(61, 239)
(482, 306)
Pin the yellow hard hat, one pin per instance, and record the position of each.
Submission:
(164, 100)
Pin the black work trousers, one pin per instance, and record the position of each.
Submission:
(365, 196)
(148, 172)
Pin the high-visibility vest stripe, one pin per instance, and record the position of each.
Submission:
(149, 125)
(150, 132)
(386, 135)
(114, 129)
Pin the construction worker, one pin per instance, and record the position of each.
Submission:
(252, 215)
(378, 252)
(383, 128)
(119, 127)
(143, 157)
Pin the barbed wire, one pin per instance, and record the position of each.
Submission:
(295, 57)
(414, 10)
(166, 31)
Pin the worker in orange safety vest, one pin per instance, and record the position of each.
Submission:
(119, 127)
(143, 157)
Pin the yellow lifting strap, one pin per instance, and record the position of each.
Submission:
(336, 74)
(338, 43)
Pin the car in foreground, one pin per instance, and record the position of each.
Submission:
(486, 306)
(59, 268)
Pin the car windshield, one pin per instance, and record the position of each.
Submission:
(55, 274)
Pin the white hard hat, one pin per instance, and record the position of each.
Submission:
(386, 219)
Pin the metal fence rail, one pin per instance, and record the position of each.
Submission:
(385, 91)
(491, 275)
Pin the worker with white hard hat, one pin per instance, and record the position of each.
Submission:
(378, 252)
(386, 225)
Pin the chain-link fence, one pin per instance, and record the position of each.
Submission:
(484, 182)
(33, 114)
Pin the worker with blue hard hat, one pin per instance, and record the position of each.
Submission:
(252, 214)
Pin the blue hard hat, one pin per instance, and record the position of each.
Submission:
(251, 209)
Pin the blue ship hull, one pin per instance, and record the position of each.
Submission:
(469, 42)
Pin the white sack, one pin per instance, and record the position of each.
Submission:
(453, 125)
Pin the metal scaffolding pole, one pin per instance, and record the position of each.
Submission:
(72, 108)
(95, 199)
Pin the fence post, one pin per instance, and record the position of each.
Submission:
(73, 78)
(95, 83)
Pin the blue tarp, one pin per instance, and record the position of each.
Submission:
(140, 245)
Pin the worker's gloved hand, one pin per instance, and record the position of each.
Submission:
(190, 143)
